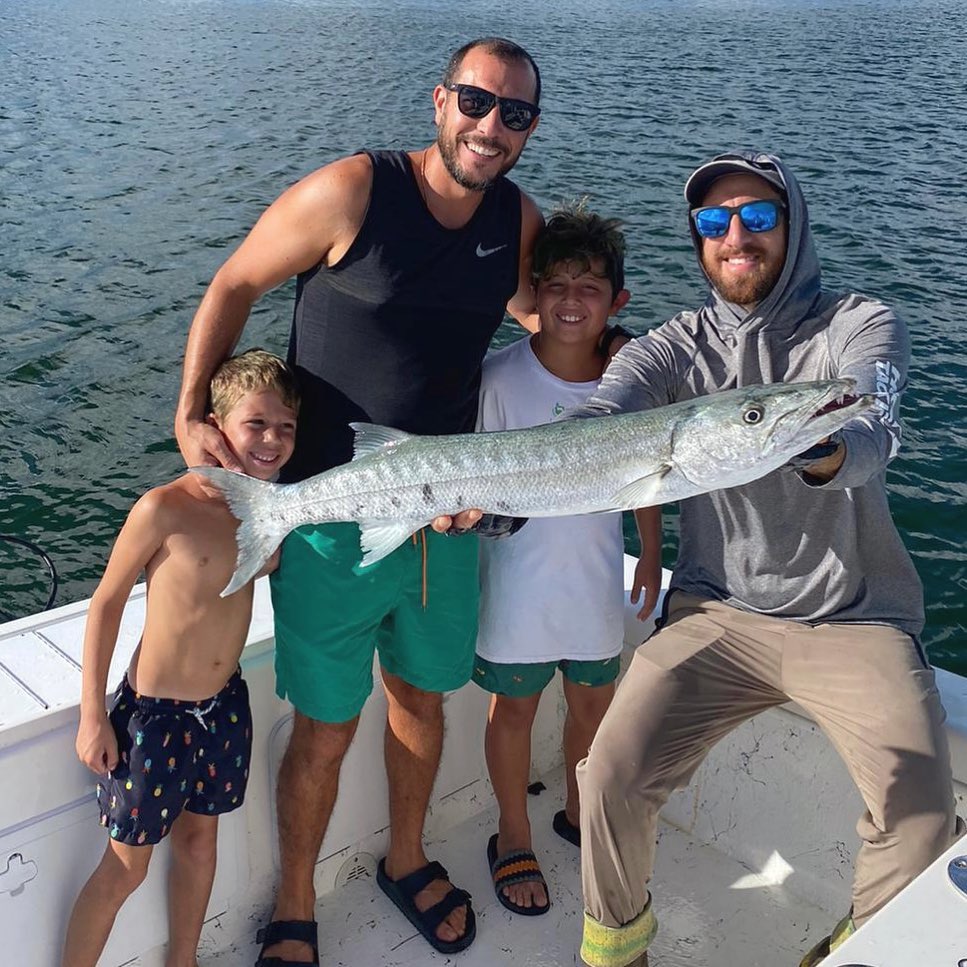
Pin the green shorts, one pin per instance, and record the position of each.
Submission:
(330, 615)
(519, 681)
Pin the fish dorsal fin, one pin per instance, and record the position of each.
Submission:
(381, 537)
(643, 492)
(370, 437)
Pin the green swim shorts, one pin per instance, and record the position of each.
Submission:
(519, 681)
(417, 607)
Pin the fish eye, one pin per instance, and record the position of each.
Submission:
(753, 415)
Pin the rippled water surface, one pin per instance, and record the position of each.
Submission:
(139, 141)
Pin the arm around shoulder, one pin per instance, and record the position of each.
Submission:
(644, 375)
(313, 221)
(523, 304)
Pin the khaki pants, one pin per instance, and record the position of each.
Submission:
(709, 669)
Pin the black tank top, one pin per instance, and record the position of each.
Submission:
(396, 331)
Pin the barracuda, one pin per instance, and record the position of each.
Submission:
(397, 483)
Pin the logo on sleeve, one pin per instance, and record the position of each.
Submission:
(888, 401)
(482, 252)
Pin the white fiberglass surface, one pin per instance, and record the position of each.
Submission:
(710, 912)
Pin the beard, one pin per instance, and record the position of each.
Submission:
(448, 146)
(750, 288)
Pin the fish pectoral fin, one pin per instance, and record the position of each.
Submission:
(381, 537)
(370, 438)
(643, 492)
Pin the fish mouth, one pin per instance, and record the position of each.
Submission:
(832, 406)
(841, 402)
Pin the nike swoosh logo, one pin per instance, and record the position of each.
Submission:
(482, 252)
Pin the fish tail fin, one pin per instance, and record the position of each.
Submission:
(260, 531)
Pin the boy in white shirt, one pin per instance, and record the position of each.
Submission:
(552, 594)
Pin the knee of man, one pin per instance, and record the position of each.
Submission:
(604, 774)
(922, 836)
(935, 832)
(412, 700)
(317, 743)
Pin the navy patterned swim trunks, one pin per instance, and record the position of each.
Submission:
(175, 755)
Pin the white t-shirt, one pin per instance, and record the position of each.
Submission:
(555, 589)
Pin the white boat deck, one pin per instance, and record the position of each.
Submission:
(713, 910)
(754, 863)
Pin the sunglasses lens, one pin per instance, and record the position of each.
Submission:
(516, 115)
(760, 216)
(756, 216)
(474, 102)
(712, 222)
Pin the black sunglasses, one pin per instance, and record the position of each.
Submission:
(475, 102)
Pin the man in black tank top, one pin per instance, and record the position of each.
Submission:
(406, 262)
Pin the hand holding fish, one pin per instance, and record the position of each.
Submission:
(824, 470)
(458, 523)
(821, 462)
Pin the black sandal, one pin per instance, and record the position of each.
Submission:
(566, 829)
(403, 891)
(518, 866)
(304, 931)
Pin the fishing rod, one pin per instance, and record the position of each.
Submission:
(42, 554)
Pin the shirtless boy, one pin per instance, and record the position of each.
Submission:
(160, 769)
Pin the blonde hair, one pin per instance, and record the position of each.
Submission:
(253, 371)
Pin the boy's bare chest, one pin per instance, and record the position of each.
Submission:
(203, 550)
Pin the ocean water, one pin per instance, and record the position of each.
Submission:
(139, 141)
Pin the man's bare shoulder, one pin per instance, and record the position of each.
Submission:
(531, 216)
(342, 186)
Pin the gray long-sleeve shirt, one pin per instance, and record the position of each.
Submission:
(779, 546)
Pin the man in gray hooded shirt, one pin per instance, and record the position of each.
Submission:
(796, 586)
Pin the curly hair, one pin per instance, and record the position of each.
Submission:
(574, 234)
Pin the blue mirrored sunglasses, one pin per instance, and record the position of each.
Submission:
(756, 216)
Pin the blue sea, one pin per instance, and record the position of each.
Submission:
(140, 141)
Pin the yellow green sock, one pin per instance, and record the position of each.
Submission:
(842, 931)
(617, 946)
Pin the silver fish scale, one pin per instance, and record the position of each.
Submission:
(573, 467)
(513, 472)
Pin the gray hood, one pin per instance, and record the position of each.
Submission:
(798, 287)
